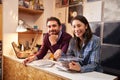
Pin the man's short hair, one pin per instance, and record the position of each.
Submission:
(54, 19)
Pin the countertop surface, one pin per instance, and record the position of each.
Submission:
(50, 66)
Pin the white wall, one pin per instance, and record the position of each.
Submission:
(49, 10)
(10, 19)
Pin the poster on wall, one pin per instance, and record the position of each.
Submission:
(73, 11)
(93, 11)
(111, 10)
(61, 14)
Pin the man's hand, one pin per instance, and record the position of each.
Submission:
(57, 54)
(29, 59)
(53, 39)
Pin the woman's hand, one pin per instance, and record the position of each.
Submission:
(74, 66)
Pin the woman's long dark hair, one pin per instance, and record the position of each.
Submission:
(87, 35)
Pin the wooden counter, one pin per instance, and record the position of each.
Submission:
(15, 70)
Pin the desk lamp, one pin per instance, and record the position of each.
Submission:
(21, 27)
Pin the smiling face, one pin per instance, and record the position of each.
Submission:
(53, 28)
(79, 28)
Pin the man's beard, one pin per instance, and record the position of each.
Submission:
(53, 32)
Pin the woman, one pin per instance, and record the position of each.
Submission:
(84, 45)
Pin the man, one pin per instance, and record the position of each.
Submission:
(55, 40)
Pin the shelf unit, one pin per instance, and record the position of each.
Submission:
(27, 14)
(31, 31)
(29, 36)
(30, 11)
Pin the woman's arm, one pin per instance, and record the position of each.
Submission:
(94, 58)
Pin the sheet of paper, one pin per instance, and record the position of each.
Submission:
(43, 63)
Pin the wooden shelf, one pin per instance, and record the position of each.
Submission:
(29, 11)
(32, 32)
